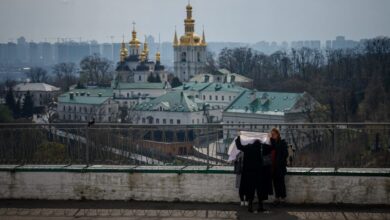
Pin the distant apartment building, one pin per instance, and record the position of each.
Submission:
(11, 56)
(22, 50)
(47, 54)
(34, 55)
(107, 51)
(312, 44)
(341, 43)
(94, 48)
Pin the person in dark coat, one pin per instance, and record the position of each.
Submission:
(279, 164)
(256, 172)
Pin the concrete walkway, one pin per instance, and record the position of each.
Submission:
(85, 210)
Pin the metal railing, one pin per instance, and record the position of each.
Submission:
(311, 145)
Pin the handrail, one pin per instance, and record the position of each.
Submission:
(203, 125)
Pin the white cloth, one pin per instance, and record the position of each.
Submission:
(247, 137)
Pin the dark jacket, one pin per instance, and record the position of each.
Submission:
(256, 176)
(253, 155)
(281, 152)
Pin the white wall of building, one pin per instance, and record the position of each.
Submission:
(175, 118)
(79, 112)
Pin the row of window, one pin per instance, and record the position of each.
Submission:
(184, 57)
(165, 121)
(82, 109)
(127, 95)
(80, 118)
(216, 97)
(157, 121)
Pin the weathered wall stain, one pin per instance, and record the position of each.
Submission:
(196, 187)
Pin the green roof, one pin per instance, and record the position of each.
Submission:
(93, 100)
(175, 101)
(86, 96)
(192, 86)
(224, 87)
(123, 85)
(275, 103)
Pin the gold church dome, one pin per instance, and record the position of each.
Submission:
(123, 51)
(190, 38)
(134, 40)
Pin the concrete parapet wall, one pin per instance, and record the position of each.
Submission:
(195, 184)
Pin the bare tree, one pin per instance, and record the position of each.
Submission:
(37, 75)
(65, 75)
(95, 69)
(211, 65)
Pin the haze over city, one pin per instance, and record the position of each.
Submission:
(224, 20)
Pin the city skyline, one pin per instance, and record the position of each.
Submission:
(275, 21)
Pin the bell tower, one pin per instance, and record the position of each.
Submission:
(189, 50)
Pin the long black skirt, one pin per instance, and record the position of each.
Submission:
(259, 182)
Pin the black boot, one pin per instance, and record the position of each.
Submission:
(250, 206)
(261, 207)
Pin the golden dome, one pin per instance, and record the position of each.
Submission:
(158, 56)
(142, 56)
(190, 38)
(123, 52)
(146, 48)
(134, 41)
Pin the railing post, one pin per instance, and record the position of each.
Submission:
(87, 146)
(208, 147)
(334, 146)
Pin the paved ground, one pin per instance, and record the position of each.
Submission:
(110, 210)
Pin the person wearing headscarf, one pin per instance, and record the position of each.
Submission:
(256, 172)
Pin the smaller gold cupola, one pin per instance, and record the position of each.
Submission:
(142, 57)
(158, 56)
(146, 49)
(123, 51)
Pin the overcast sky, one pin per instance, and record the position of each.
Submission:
(223, 20)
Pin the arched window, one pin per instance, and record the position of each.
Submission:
(184, 57)
(150, 120)
(198, 56)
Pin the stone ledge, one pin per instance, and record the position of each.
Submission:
(315, 171)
